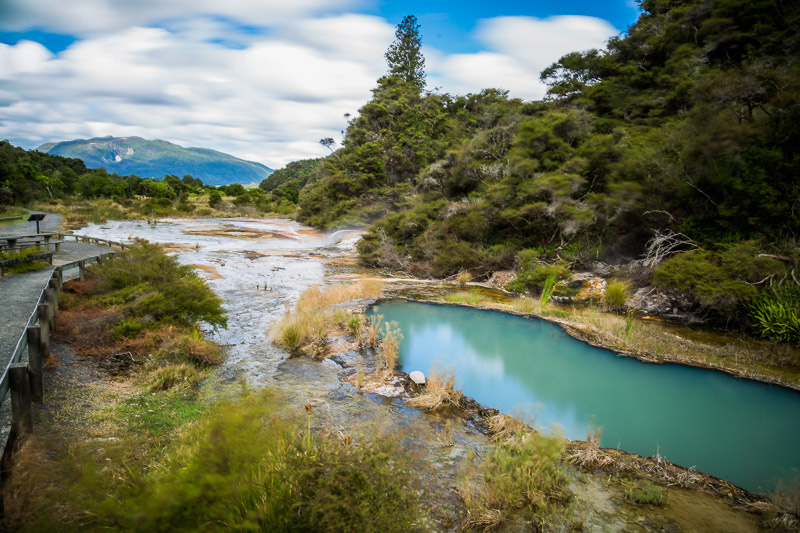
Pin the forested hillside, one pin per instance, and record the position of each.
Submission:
(686, 127)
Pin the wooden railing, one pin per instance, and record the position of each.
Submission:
(23, 380)
(95, 240)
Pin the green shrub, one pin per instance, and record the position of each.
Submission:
(154, 289)
(532, 273)
(717, 279)
(616, 294)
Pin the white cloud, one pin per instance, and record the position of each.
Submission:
(518, 49)
(270, 101)
(202, 80)
(100, 16)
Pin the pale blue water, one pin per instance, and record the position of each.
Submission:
(739, 430)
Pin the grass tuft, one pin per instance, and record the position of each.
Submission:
(616, 294)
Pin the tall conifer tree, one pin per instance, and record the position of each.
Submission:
(404, 55)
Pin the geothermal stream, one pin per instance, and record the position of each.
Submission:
(259, 267)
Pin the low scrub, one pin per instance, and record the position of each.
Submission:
(533, 272)
(237, 467)
(141, 302)
(719, 280)
(155, 289)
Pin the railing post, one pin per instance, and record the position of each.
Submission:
(18, 384)
(51, 308)
(53, 285)
(82, 269)
(33, 335)
(43, 314)
(60, 273)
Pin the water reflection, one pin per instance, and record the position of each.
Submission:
(735, 429)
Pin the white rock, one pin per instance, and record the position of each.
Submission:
(417, 377)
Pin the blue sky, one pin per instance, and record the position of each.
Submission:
(262, 80)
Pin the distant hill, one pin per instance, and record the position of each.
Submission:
(155, 159)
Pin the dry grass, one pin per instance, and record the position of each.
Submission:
(304, 328)
(463, 277)
(527, 305)
(439, 392)
(504, 427)
(179, 376)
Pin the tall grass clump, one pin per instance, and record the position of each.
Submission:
(521, 477)
(526, 305)
(390, 345)
(616, 294)
(463, 277)
(305, 325)
(775, 313)
(440, 391)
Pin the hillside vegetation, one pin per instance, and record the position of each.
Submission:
(680, 136)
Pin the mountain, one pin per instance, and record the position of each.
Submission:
(155, 159)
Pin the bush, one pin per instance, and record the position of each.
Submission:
(533, 273)
(155, 289)
(717, 279)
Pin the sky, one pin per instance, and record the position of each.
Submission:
(263, 80)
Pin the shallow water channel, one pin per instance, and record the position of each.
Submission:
(739, 430)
